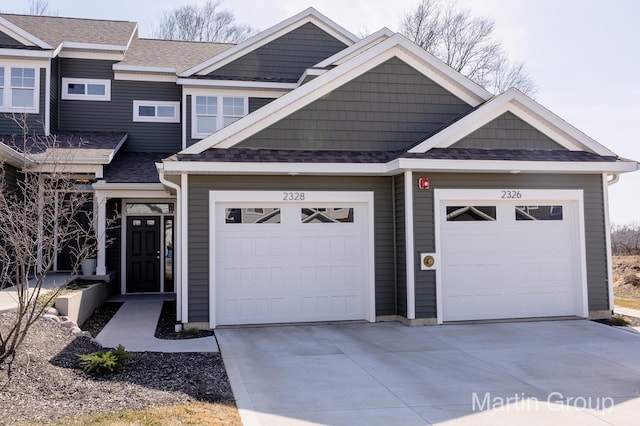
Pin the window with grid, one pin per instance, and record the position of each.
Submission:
(212, 113)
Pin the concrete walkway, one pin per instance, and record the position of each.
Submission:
(9, 295)
(134, 326)
(626, 311)
(573, 372)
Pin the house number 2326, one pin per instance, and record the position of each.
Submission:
(293, 196)
(511, 195)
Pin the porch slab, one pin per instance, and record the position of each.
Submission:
(134, 326)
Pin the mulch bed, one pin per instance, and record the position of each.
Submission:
(47, 382)
(166, 325)
(100, 317)
(621, 320)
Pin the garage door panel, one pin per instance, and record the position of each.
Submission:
(290, 271)
(510, 268)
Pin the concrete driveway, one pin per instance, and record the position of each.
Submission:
(551, 372)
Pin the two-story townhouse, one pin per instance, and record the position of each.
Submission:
(309, 175)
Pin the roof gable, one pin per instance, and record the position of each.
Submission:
(20, 35)
(263, 38)
(526, 109)
(396, 46)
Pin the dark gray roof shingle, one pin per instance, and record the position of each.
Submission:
(134, 167)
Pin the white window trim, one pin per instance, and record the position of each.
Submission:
(72, 96)
(219, 117)
(6, 101)
(156, 119)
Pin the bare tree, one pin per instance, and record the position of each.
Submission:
(39, 7)
(465, 43)
(625, 239)
(202, 23)
(44, 211)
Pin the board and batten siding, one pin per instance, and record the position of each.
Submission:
(508, 132)
(198, 228)
(35, 122)
(254, 105)
(117, 114)
(388, 108)
(595, 231)
(285, 58)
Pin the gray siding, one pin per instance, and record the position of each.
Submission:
(390, 107)
(257, 103)
(117, 115)
(594, 226)
(54, 93)
(5, 40)
(198, 233)
(286, 57)
(508, 132)
(401, 250)
(35, 122)
(11, 177)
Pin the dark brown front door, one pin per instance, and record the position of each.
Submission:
(143, 254)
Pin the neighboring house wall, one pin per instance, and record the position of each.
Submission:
(596, 254)
(285, 58)
(508, 132)
(117, 114)
(35, 122)
(198, 234)
(254, 104)
(389, 108)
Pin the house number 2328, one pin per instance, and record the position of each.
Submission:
(293, 196)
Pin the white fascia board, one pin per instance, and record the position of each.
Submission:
(144, 76)
(501, 166)
(309, 15)
(27, 54)
(310, 72)
(15, 158)
(94, 169)
(233, 92)
(236, 84)
(396, 46)
(21, 35)
(351, 51)
(201, 167)
(143, 68)
(93, 46)
(106, 186)
(88, 54)
(525, 108)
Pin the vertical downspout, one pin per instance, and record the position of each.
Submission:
(177, 248)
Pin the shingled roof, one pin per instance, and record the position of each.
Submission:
(170, 53)
(54, 30)
(134, 167)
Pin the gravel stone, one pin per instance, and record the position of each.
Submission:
(51, 318)
(47, 382)
(52, 311)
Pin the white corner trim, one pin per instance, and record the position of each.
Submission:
(409, 245)
(607, 233)
(184, 243)
(526, 109)
(24, 37)
(47, 100)
(396, 46)
(270, 34)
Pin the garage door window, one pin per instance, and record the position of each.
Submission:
(538, 212)
(252, 215)
(326, 215)
(471, 213)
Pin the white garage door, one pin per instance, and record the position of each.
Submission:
(510, 259)
(290, 262)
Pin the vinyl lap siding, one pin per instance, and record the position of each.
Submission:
(508, 132)
(117, 115)
(388, 108)
(54, 93)
(401, 250)
(5, 40)
(596, 257)
(198, 232)
(284, 58)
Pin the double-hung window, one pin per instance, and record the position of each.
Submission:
(86, 89)
(212, 113)
(18, 89)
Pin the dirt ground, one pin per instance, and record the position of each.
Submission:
(626, 277)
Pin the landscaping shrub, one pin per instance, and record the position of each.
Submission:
(103, 362)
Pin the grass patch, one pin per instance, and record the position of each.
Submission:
(186, 414)
(627, 303)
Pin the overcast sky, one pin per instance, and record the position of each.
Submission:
(583, 54)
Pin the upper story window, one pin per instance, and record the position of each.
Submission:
(18, 89)
(212, 113)
(86, 89)
(156, 111)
